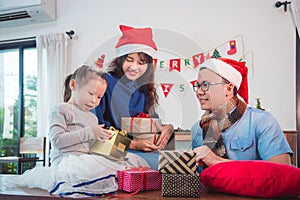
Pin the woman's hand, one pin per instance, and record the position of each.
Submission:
(101, 133)
(204, 154)
(166, 133)
(148, 145)
(143, 145)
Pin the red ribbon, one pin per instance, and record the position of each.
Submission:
(143, 115)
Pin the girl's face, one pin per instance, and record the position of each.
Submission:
(89, 95)
(134, 67)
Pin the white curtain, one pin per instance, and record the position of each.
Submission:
(295, 9)
(52, 69)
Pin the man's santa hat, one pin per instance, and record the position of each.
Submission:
(135, 40)
(233, 71)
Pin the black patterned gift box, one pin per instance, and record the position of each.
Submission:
(177, 162)
(179, 174)
(181, 185)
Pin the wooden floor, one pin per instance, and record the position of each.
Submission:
(38, 194)
(35, 194)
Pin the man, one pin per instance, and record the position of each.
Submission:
(229, 129)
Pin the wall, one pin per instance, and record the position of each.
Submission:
(268, 37)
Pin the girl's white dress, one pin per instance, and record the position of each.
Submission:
(74, 171)
(76, 176)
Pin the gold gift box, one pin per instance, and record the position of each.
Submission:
(116, 147)
(140, 125)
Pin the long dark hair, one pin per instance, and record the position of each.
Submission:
(82, 75)
(146, 81)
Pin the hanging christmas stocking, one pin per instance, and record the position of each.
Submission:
(232, 49)
(100, 61)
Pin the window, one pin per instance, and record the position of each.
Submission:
(18, 93)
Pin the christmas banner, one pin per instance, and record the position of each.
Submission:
(178, 87)
(230, 49)
(233, 49)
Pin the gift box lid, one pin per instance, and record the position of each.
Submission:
(177, 162)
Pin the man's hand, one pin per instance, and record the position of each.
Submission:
(205, 155)
(166, 133)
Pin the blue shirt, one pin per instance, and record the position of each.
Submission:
(256, 136)
(122, 98)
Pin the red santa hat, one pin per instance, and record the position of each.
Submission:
(232, 70)
(135, 40)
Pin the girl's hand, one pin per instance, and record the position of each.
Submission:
(166, 133)
(101, 133)
(143, 145)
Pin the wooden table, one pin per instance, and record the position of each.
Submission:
(35, 194)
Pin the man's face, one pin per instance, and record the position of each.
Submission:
(215, 95)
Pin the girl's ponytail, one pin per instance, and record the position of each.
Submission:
(67, 90)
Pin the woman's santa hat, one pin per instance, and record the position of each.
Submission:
(135, 40)
(232, 70)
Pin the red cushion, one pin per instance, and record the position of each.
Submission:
(253, 178)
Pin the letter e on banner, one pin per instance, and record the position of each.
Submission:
(154, 63)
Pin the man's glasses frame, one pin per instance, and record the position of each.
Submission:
(204, 85)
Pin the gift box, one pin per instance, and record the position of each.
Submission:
(139, 179)
(140, 124)
(153, 137)
(177, 162)
(115, 148)
(181, 185)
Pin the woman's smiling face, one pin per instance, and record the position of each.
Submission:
(134, 66)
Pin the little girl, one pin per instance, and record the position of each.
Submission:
(73, 131)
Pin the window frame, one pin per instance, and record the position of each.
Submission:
(21, 45)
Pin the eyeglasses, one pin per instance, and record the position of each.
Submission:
(204, 85)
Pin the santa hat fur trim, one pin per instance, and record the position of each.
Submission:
(233, 71)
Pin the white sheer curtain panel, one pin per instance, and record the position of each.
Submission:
(295, 8)
(52, 69)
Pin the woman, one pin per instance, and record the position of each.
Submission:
(131, 89)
